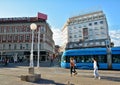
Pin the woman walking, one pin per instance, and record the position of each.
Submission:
(72, 66)
(95, 66)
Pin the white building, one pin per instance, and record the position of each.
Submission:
(87, 30)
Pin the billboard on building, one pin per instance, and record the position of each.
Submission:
(42, 16)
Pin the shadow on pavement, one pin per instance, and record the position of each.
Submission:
(50, 82)
(116, 79)
(45, 81)
(109, 78)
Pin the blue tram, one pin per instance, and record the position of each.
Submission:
(83, 57)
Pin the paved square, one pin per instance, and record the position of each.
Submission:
(57, 76)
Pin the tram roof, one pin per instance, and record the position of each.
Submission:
(91, 51)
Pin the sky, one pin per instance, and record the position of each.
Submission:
(59, 11)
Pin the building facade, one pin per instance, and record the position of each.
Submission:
(16, 37)
(86, 30)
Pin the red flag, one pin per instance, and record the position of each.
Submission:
(42, 16)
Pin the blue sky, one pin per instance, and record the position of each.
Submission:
(59, 11)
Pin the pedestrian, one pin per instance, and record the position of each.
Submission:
(72, 66)
(6, 61)
(51, 60)
(75, 72)
(96, 74)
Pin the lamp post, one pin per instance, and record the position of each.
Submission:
(31, 77)
(38, 47)
(33, 26)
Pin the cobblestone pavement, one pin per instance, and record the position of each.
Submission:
(57, 76)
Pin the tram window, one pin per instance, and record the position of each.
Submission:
(115, 58)
(63, 58)
(77, 59)
(102, 58)
(81, 59)
(68, 59)
(89, 59)
(85, 59)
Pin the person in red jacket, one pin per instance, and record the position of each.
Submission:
(72, 66)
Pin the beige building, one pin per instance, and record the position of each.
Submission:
(86, 30)
(16, 37)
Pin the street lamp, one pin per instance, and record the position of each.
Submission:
(38, 47)
(31, 77)
(33, 26)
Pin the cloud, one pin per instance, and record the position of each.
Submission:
(57, 36)
(115, 36)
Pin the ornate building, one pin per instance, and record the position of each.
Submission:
(16, 37)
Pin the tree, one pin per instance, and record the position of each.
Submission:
(112, 44)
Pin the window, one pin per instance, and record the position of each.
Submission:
(4, 37)
(20, 46)
(70, 28)
(27, 37)
(21, 38)
(16, 37)
(27, 46)
(9, 46)
(95, 23)
(42, 29)
(102, 58)
(101, 16)
(3, 46)
(91, 43)
(96, 28)
(101, 22)
(101, 27)
(90, 24)
(75, 36)
(90, 29)
(5, 29)
(90, 18)
(97, 43)
(84, 59)
(70, 36)
(103, 33)
(74, 27)
(15, 46)
(85, 44)
(10, 29)
(80, 35)
(70, 46)
(84, 26)
(80, 44)
(103, 43)
(28, 29)
(39, 46)
(116, 58)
